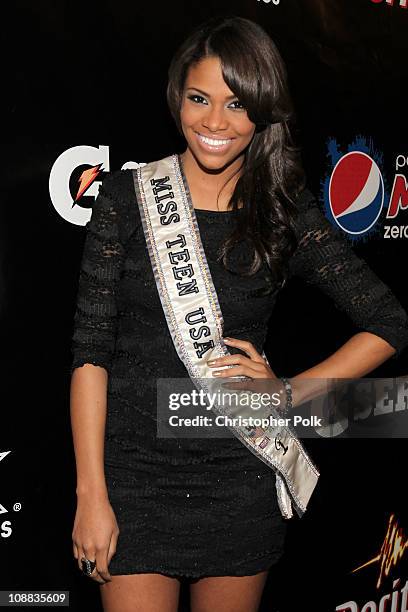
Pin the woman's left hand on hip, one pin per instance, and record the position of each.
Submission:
(253, 365)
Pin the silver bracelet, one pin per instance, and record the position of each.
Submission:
(288, 389)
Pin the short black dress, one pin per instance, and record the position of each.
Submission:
(206, 506)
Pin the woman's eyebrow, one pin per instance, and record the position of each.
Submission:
(208, 95)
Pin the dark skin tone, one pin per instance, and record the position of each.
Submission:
(209, 110)
(215, 113)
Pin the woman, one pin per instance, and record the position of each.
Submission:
(152, 510)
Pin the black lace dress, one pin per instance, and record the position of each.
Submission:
(194, 507)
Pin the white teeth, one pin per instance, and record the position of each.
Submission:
(212, 142)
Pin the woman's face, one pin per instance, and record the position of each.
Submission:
(215, 124)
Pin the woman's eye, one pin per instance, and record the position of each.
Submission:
(194, 96)
(240, 105)
(199, 100)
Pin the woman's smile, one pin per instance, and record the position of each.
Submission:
(212, 144)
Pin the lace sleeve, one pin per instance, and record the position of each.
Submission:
(94, 332)
(325, 259)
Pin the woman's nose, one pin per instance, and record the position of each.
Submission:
(215, 119)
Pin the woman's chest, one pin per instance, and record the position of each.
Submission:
(247, 298)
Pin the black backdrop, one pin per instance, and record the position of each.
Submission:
(78, 73)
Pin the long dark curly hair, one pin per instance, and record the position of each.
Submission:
(272, 175)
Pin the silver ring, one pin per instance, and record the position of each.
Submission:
(88, 566)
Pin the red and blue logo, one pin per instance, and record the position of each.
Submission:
(354, 193)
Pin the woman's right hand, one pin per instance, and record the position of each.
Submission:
(95, 534)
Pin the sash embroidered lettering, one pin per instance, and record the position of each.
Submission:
(193, 313)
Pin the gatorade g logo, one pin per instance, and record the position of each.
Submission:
(64, 196)
(60, 175)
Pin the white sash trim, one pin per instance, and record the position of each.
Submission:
(195, 321)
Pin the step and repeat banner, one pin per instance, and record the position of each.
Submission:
(85, 90)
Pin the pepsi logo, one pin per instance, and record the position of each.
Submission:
(356, 192)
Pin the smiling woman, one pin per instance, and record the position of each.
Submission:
(234, 110)
(157, 299)
(215, 125)
(218, 131)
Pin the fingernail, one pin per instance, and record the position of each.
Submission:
(216, 373)
(228, 340)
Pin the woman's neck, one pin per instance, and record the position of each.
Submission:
(206, 186)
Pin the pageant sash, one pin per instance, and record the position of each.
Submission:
(195, 321)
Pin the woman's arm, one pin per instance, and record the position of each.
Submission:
(95, 324)
(325, 260)
(361, 354)
(93, 343)
(95, 530)
(88, 417)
